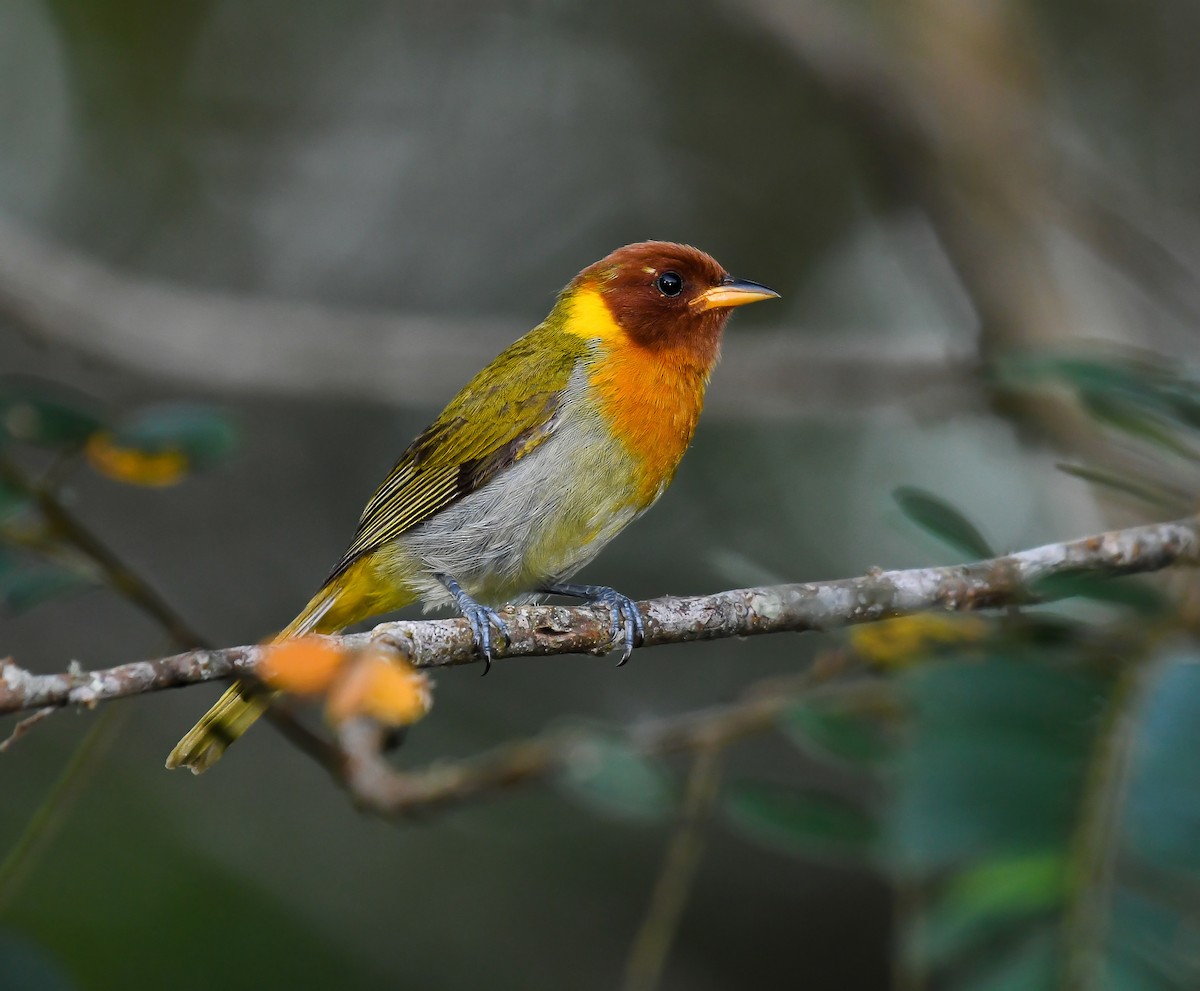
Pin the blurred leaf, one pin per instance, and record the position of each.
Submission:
(1103, 376)
(826, 733)
(28, 967)
(1153, 945)
(1027, 882)
(1156, 495)
(12, 503)
(802, 823)
(939, 518)
(161, 445)
(1129, 592)
(604, 773)
(1183, 398)
(1162, 814)
(1137, 396)
(1138, 423)
(24, 583)
(996, 763)
(1031, 966)
(36, 412)
(990, 900)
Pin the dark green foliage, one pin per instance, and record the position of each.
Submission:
(604, 773)
(46, 415)
(1162, 815)
(1018, 794)
(1144, 399)
(826, 733)
(938, 517)
(801, 822)
(1155, 494)
(998, 755)
(25, 582)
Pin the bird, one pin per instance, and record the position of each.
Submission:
(564, 439)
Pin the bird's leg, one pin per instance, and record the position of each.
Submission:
(627, 628)
(481, 618)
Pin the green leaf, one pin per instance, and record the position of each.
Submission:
(12, 503)
(25, 584)
(1162, 814)
(1138, 423)
(825, 733)
(35, 412)
(1095, 377)
(997, 760)
(1131, 394)
(1173, 500)
(1152, 945)
(604, 773)
(1183, 398)
(939, 518)
(29, 967)
(801, 823)
(992, 899)
(1033, 965)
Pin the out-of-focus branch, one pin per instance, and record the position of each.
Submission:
(124, 580)
(378, 788)
(544, 630)
(261, 345)
(652, 945)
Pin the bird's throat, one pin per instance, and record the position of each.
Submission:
(650, 396)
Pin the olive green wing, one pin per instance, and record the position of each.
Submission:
(508, 409)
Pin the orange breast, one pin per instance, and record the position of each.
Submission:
(652, 397)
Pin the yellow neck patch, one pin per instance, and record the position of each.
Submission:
(589, 317)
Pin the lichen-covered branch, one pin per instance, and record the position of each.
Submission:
(543, 630)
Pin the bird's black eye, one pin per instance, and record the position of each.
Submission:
(669, 284)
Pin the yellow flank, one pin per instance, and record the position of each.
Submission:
(652, 398)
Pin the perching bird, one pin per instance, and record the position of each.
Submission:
(569, 435)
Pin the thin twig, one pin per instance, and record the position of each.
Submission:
(378, 788)
(651, 946)
(26, 724)
(41, 829)
(119, 575)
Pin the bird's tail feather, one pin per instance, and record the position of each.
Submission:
(238, 709)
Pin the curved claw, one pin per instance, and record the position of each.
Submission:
(482, 618)
(628, 630)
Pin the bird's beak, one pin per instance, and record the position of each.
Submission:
(731, 292)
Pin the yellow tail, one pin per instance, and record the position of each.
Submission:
(238, 709)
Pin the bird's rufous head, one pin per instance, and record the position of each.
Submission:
(666, 295)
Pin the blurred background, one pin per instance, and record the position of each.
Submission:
(248, 249)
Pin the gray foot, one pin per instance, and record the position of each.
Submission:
(627, 628)
(482, 618)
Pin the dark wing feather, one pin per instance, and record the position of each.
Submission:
(506, 411)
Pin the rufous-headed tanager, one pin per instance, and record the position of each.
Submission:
(568, 436)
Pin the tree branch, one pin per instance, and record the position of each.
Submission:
(543, 630)
(59, 296)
